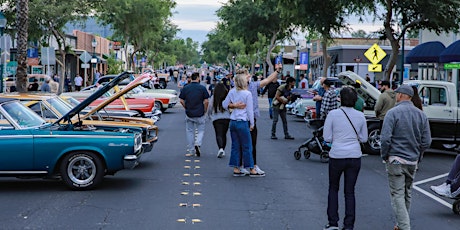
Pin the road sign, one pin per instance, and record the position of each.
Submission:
(452, 66)
(374, 68)
(48, 56)
(85, 57)
(375, 54)
(85, 66)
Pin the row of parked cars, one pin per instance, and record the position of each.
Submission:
(79, 140)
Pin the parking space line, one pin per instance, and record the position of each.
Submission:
(430, 195)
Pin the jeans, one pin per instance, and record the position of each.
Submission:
(270, 108)
(221, 128)
(241, 143)
(400, 178)
(254, 144)
(349, 167)
(454, 177)
(192, 124)
(282, 114)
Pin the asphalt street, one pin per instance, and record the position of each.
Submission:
(171, 190)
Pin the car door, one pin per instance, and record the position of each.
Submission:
(17, 152)
(441, 113)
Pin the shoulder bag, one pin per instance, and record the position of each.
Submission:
(357, 136)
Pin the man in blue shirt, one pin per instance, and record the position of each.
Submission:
(194, 98)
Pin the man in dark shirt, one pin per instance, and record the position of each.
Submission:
(33, 86)
(270, 88)
(194, 98)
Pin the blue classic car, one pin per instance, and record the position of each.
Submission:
(79, 154)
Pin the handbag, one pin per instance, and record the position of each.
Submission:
(357, 136)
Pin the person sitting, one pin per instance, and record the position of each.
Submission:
(33, 86)
(451, 187)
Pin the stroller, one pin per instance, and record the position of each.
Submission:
(315, 144)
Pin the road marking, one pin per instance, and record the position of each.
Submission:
(430, 195)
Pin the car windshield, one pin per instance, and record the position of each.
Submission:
(23, 116)
(59, 105)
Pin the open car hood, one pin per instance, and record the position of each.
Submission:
(77, 109)
(136, 82)
(366, 91)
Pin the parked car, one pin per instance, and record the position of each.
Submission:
(144, 106)
(146, 84)
(79, 154)
(52, 107)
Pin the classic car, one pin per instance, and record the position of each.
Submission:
(79, 154)
(145, 106)
(131, 78)
(52, 107)
(162, 100)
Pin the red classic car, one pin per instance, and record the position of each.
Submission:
(144, 106)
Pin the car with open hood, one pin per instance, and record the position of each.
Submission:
(369, 94)
(79, 154)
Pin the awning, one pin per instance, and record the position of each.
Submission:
(451, 53)
(427, 52)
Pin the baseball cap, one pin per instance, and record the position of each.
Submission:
(405, 89)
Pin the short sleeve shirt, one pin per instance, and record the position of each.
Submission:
(194, 94)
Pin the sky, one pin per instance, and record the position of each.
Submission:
(196, 18)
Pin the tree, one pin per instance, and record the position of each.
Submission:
(138, 22)
(359, 34)
(401, 16)
(249, 20)
(22, 18)
(324, 17)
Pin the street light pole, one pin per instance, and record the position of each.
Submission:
(2, 26)
(357, 60)
(233, 65)
(94, 59)
(298, 64)
(308, 56)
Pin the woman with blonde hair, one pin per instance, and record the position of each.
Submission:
(241, 123)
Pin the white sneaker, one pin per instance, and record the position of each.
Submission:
(442, 190)
(259, 171)
(220, 153)
(244, 170)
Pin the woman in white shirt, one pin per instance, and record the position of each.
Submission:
(345, 128)
(241, 122)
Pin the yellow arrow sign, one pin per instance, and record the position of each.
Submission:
(375, 54)
(374, 68)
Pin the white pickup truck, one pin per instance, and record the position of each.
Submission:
(440, 104)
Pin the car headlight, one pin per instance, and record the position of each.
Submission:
(137, 142)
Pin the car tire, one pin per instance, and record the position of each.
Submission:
(82, 170)
(162, 84)
(372, 146)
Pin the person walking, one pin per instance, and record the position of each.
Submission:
(402, 151)
(182, 83)
(194, 98)
(220, 117)
(345, 128)
(386, 100)
(329, 99)
(282, 97)
(270, 89)
(303, 84)
(242, 121)
(319, 91)
(78, 80)
(253, 87)
(45, 86)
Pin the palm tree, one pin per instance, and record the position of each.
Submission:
(22, 18)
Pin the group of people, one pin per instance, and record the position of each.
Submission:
(234, 105)
(345, 128)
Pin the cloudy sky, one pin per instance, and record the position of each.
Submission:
(196, 18)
